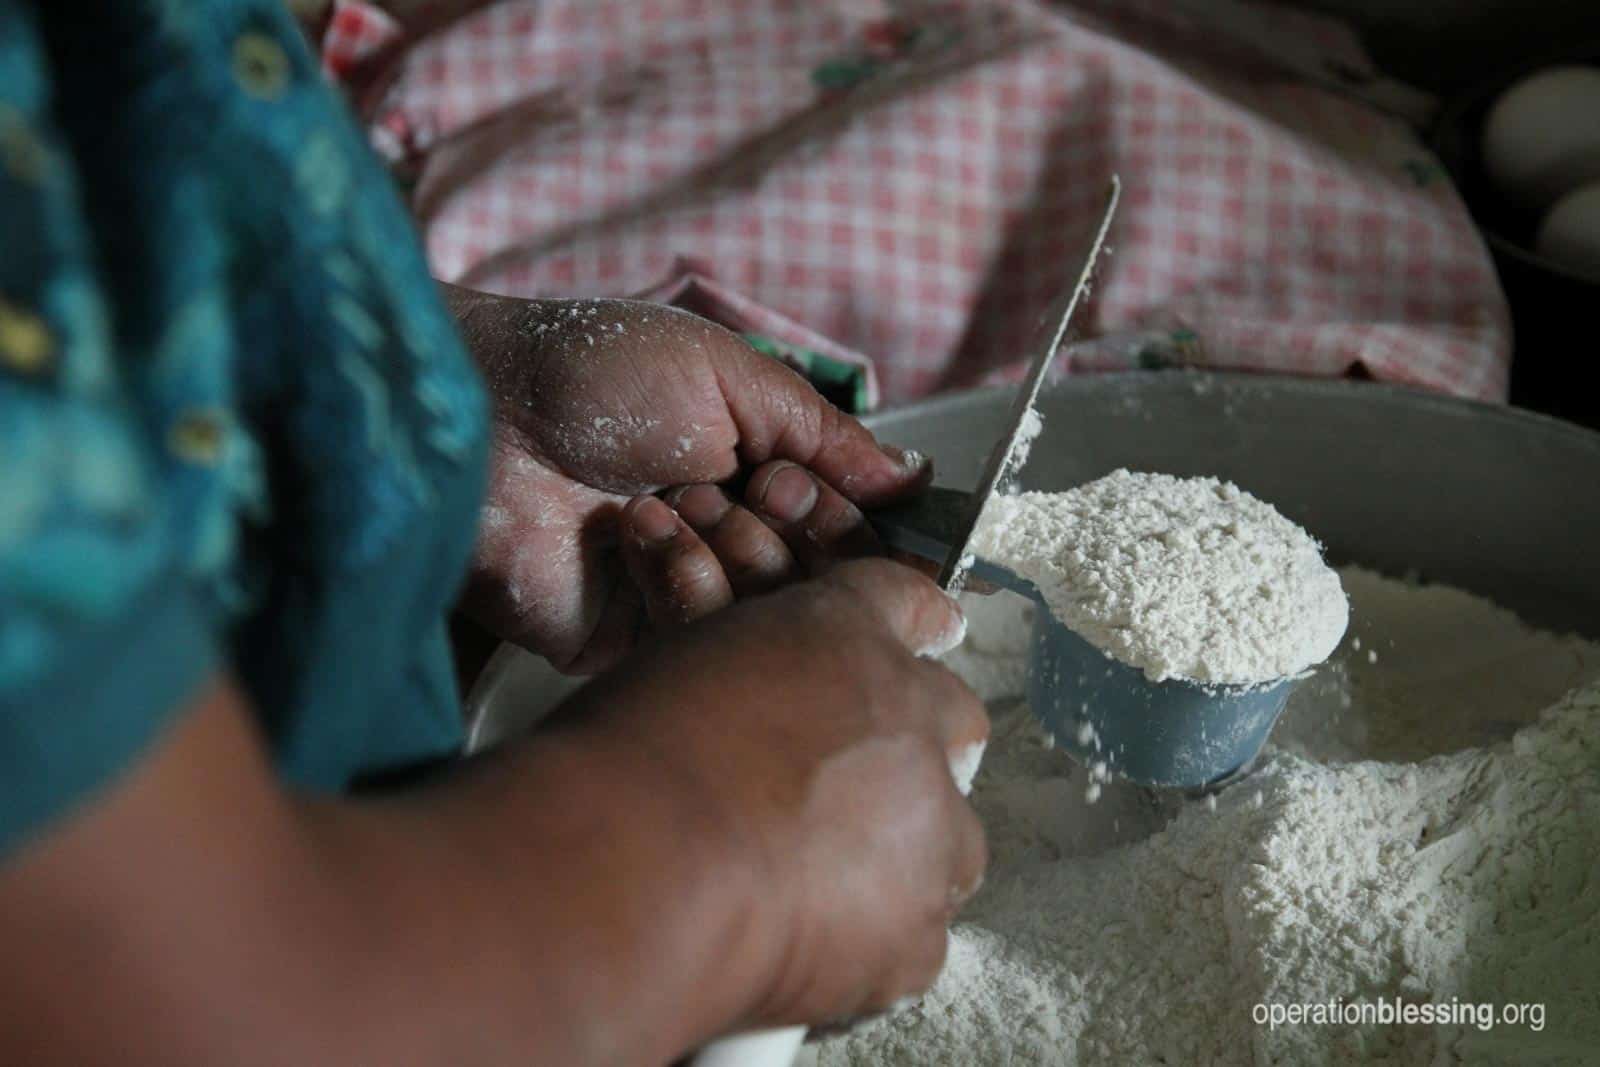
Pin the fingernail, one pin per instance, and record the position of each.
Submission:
(702, 506)
(790, 495)
(654, 522)
(953, 635)
(907, 459)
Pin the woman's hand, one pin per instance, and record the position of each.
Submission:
(601, 401)
(751, 825)
(811, 739)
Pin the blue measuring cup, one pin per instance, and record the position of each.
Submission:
(1107, 715)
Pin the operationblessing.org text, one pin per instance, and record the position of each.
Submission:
(1393, 1011)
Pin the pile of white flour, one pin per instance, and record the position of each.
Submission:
(1180, 577)
(1418, 831)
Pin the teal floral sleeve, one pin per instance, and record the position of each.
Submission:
(90, 585)
(237, 430)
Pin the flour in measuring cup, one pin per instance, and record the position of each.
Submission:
(1188, 578)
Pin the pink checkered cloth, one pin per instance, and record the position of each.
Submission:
(903, 185)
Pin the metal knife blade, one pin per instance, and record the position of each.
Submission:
(1052, 328)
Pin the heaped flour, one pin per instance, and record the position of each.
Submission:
(1448, 856)
(1180, 577)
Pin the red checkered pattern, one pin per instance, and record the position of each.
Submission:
(905, 183)
(354, 33)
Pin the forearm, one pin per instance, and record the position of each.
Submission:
(548, 906)
(559, 902)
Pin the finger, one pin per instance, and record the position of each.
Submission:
(616, 632)
(958, 865)
(963, 727)
(921, 564)
(702, 506)
(965, 849)
(780, 416)
(753, 555)
(963, 722)
(910, 607)
(969, 855)
(677, 574)
(818, 524)
(924, 565)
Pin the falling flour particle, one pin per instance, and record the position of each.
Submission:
(1436, 840)
(1187, 578)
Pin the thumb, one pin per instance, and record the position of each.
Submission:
(780, 416)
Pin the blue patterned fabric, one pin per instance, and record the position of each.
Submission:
(237, 430)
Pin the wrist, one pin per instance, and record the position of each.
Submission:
(702, 902)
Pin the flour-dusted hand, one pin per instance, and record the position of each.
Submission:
(598, 401)
(814, 743)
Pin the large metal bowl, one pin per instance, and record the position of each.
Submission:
(1497, 501)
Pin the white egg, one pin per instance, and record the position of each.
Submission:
(1570, 233)
(1542, 137)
